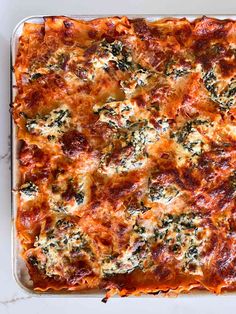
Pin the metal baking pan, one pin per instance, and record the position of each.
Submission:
(19, 268)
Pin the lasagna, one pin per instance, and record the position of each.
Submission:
(127, 158)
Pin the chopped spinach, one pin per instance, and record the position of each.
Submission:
(124, 263)
(195, 147)
(59, 62)
(50, 234)
(63, 242)
(174, 70)
(168, 219)
(183, 136)
(35, 76)
(138, 208)
(232, 181)
(226, 98)
(49, 125)
(59, 118)
(32, 260)
(189, 127)
(64, 224)
(117, 53)
(209, 80)
(79, 197)
(115, 47)
(62, 60)
(138, 78)
(29, 189)
(179, 234)
(176, 247)
(139, 229)
(162, 193)
(59, 208)
(124, 64)
(192, 252)
(134, 138)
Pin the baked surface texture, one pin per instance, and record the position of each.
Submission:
(127, 155)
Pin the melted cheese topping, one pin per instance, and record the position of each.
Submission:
(127, 157)
(50, 125)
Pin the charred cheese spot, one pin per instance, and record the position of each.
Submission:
(73, 143)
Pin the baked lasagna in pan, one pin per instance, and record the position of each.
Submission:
(127, 159)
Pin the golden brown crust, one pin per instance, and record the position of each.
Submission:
(128, 132)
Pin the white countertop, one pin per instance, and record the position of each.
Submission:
(12, 298)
